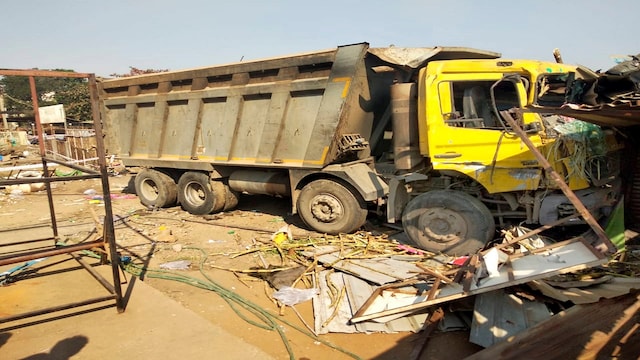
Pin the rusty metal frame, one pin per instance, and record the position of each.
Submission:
(107, 244)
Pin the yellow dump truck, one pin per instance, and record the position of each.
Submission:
(410, 134)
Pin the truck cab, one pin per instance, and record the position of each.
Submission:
(474, 171)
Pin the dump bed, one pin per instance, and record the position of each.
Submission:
(302, 111)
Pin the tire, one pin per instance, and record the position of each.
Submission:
(231, 198)
(155, 188)
(219, 191)
(196, 195)
(329, 207)
(448, 221)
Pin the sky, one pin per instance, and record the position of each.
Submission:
(108, 36)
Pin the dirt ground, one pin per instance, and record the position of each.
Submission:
(166, 235)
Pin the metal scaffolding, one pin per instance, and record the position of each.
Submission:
(106, 245)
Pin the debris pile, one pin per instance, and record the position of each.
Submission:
(368, 282)
(609, 98)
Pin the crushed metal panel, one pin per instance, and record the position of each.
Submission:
(324, 305)
(606, 115)
(356, 292)
(498, 316)
(376, 270)
(562, 257)
(379, 271)
(417, 57)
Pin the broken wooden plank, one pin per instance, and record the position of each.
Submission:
(470, 273)
(434, 289)
(434, 273)
(431, 325)
(567, 256)
(498, 315)
(604, 330)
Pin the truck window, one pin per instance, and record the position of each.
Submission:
(471, 103)
(551, 89)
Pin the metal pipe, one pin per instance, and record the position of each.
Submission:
(47, 253)
(108, 230)
(108, 237)
(43, 73)
(73, 166)
(38, 166)
(24, 242)
(36, 114)
(47, 180)
(56, 308)
(110, 288)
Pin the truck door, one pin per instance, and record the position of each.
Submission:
(466, 133)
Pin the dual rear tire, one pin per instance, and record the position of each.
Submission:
(199, 195)
(195, 192)
(155, 189)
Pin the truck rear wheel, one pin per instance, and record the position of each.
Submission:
(329, 207)
(155, 188)
(448, 221)
(197, 195)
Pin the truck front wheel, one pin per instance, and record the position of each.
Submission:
(448, 221)
(198, 195)
(329, 207)
(155, 188)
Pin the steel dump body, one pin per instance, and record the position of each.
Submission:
(302, 111)
(285, 112)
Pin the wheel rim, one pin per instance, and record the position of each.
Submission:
(326, 208)
(442, 225)
(195, 194)
(149, 190)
